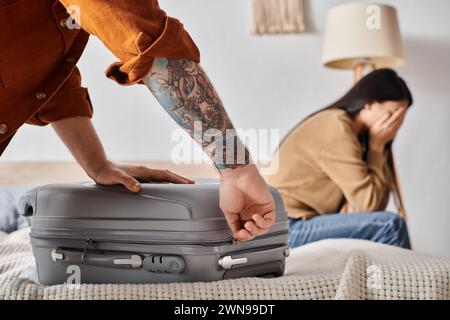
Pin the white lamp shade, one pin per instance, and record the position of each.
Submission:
(362, 31)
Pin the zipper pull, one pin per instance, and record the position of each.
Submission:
(88, 243)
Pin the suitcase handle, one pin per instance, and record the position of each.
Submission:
(125, 261)
(252, 258)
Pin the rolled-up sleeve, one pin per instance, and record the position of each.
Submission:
(71, 101)
(136, 32)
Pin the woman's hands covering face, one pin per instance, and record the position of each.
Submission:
(385, 129)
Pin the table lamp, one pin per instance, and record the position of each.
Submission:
(361, 36)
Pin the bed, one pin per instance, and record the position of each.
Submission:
(329, 269)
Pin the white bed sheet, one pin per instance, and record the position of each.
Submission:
(329, 269)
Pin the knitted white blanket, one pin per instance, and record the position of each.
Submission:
(330, 269)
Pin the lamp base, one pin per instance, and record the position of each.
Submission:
(361, 68)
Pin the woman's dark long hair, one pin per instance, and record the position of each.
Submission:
(378, 86)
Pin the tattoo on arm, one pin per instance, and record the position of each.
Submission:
(186, 93)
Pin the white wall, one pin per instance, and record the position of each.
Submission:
(272, 82)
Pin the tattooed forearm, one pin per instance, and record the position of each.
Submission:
(185, 92)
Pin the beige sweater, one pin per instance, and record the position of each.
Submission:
(321, 167)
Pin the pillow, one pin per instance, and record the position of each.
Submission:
(10, 219)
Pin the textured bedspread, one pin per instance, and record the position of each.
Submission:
(330, 269)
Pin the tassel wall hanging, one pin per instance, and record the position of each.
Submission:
(277, 16)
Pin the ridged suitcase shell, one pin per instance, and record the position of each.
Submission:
(165, 233)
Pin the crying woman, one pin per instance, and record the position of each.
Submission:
(336, 169)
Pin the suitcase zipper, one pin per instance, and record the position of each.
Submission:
(229, 240)
(97, 239)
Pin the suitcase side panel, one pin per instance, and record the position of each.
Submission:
(201, 263)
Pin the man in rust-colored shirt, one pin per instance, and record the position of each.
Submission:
(41, 42)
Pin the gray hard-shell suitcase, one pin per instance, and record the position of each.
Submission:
(166, 233)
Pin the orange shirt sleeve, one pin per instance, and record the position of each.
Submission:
(136, 32)
(72, 100)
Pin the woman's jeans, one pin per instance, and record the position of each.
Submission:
(382, 227)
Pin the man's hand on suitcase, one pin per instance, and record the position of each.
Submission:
(246, 202)
(130, 176)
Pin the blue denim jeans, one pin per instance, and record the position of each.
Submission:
(382, 227)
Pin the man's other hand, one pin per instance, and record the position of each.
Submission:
(246, 202)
